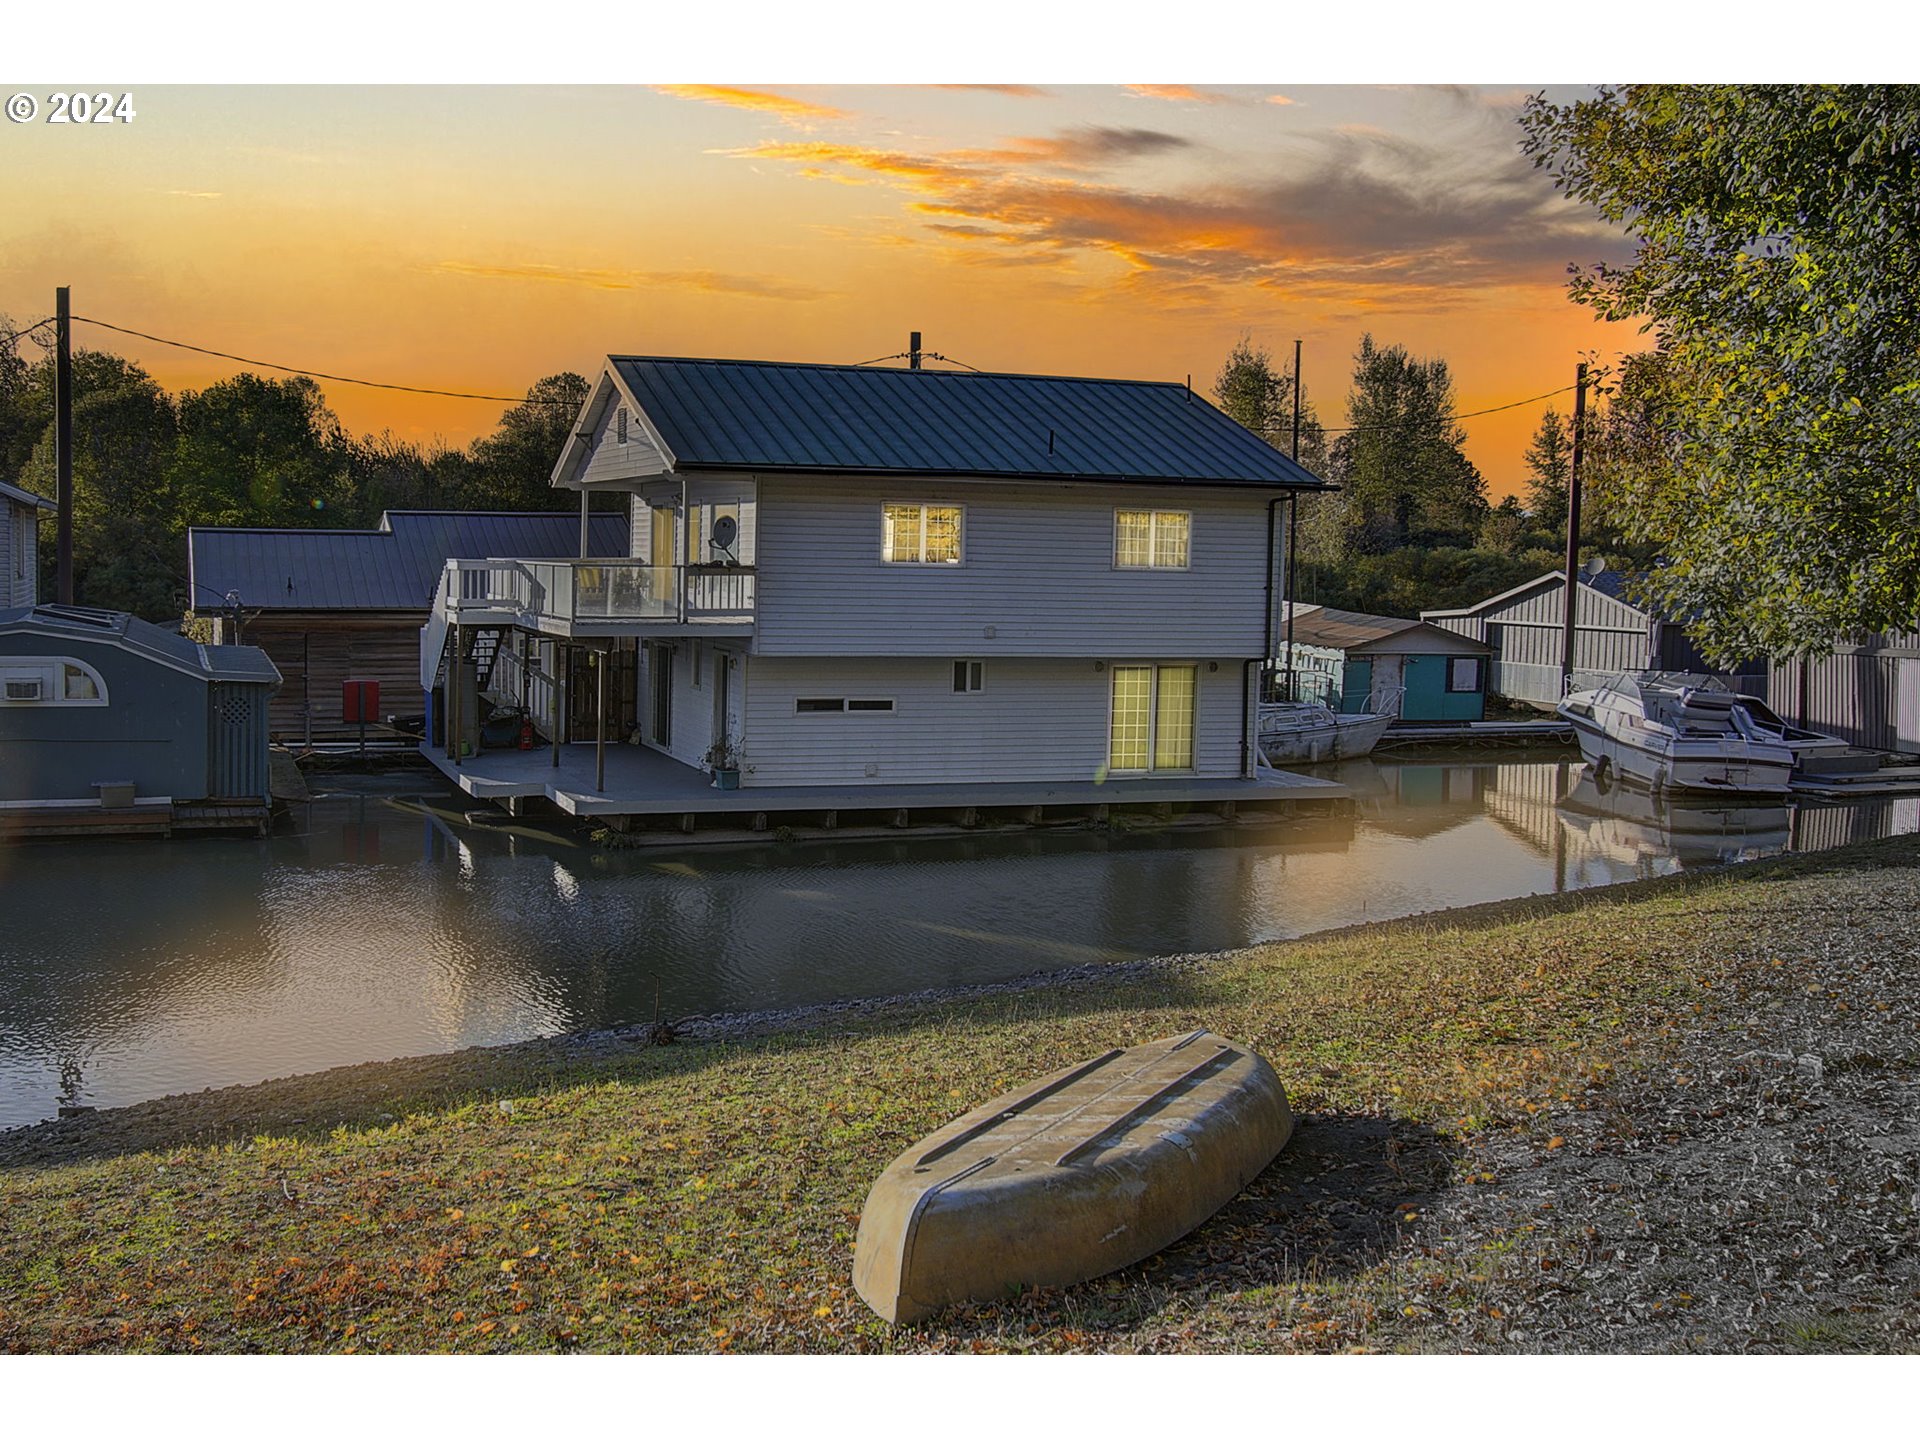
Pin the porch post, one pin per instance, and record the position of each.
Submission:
(600, 739)
(583, 523)
(559, 694)
(453, 699)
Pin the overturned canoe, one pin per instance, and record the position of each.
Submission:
(1075, 1175)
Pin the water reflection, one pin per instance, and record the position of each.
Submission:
(378, 924)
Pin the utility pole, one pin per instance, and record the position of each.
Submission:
(1573, 528)
(1293, 525)
(913, 350)
(63, 436)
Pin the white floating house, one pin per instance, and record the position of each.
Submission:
(842, 579)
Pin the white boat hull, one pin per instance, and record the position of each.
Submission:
(1347, 737)
(1708, 766)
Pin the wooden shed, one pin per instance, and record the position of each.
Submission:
(1356, 661)
(330, 606)
(101, 711)
(1524, 628)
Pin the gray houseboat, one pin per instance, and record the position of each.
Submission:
(108, 723)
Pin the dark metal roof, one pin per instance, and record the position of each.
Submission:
(393, 568)
(26, 497)
(246, 664)
(1332, 629)
(850, 419)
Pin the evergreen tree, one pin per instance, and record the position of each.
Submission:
(1406, 480)
(1549, 461)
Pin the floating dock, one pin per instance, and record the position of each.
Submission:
(645, 789)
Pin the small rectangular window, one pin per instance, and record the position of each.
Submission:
(80, 685)
(620, 425)
(920, 534)
(1463, 674)
(817, 706)
(870, 705)
(969, 677)
(1151, 539)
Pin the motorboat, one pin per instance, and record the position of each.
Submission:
(1669, 730)
(1075, 1175)
(1309, 732)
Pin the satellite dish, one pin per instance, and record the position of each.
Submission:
(726, 530)
(1597, 564)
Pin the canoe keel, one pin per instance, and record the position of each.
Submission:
(1076, 1175)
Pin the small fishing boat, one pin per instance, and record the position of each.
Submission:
(1073, 1176)
(1307, 732)
(1674, 731)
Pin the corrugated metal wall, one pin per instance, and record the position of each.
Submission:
(237, 742)
(1867, 695)
(1526, 633)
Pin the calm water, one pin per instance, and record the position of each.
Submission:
(378, 923)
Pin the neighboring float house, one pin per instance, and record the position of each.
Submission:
(856, 587)
(1525, 630)
(111, 725)
(19, 545)
(330, 606)
(1383, 664)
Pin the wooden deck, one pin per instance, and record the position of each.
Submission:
(643, 782)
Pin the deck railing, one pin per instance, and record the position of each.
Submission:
(599, 590)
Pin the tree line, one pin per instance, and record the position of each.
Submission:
(247, 451)
(1411, 526)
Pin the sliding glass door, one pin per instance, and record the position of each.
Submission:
(1152, 718)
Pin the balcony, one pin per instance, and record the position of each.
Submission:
(595, 596)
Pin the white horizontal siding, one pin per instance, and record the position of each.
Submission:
(1037, 572)
(1037, 720)
(608, 461)
(19, 554)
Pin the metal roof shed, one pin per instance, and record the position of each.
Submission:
(91, 697)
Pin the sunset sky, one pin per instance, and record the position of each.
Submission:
(476, 238)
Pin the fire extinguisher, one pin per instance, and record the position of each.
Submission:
(526, 734)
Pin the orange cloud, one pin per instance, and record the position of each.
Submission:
(784, 107)
(1355, 212)
(1187, 94)
(709, 281)
(1018, 92)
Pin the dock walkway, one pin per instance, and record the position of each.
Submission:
(642, 782)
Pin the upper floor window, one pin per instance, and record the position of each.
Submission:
(49, 680)
(1151, 539)
(920, 534)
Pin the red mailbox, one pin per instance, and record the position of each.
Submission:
(360, 701)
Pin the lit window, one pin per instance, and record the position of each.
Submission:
(920, 534)
(80, 684)
(969, 677)
(1151, 539)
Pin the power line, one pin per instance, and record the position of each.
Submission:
(321, 374)
(20, 335)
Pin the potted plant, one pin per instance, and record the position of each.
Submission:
(724, 761)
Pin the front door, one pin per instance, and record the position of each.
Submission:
(583, 692)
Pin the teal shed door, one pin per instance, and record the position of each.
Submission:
(1428, 697)
(1356, 683)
